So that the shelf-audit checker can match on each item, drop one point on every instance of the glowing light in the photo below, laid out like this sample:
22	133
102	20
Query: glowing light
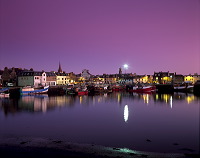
81	99
146	98
190	99
126	113
171	102
125	66
119	97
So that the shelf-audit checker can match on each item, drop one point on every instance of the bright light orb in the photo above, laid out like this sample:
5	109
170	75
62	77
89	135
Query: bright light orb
125	66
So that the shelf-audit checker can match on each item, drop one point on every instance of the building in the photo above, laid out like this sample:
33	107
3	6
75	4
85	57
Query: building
142	79
32	78
61	78
163	77
51	78
178	78
85	74
191	78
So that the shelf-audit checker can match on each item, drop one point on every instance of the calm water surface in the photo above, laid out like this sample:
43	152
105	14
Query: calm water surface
149	122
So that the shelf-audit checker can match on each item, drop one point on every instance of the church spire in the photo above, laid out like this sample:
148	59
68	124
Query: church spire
60	69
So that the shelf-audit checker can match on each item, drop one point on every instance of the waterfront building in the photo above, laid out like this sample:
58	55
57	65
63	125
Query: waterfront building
191	78
124	78
163	77
85	74
71	78
142	79
178	78
51	78
61	78
98	79
110	78
32	78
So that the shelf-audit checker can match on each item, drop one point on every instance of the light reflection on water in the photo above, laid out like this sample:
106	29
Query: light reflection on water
170	122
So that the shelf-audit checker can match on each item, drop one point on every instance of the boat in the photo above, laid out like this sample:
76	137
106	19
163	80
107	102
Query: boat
3	90
30	90
183	88
4	93
82	92
141	89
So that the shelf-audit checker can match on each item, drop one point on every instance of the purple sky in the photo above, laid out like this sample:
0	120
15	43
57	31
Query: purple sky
101	35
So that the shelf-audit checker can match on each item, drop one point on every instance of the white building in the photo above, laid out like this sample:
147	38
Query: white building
85	74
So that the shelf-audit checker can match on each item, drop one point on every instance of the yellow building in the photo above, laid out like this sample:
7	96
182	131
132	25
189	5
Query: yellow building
191	78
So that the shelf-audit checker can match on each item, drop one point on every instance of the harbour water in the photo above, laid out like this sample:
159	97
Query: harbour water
145	122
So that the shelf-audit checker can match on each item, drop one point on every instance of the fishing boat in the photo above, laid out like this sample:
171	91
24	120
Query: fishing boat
30	90
82	91
141	89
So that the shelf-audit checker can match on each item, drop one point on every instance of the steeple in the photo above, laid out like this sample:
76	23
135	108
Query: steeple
60	69
120	71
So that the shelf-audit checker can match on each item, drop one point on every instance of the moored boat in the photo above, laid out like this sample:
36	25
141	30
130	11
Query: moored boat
30	90
4	92
183	88
83	93
141	89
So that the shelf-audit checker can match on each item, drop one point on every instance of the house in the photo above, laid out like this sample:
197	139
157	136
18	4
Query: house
178	78
85	74
61	78
51	78
98	79
163	77
124	78
192	78
110	78
142	79
32	78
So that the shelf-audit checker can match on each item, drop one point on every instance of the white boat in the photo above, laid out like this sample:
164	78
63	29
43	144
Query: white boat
29	90
183	88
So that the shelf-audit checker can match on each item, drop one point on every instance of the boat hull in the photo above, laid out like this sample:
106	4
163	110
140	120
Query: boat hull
83	93
184	89
142	89
35	91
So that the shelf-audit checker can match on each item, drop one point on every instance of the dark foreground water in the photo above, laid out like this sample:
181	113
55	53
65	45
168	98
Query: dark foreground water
146	122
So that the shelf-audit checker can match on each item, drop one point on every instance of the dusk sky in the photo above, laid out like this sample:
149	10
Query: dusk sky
101	35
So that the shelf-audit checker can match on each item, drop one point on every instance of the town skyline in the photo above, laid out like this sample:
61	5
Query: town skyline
101	36
123	71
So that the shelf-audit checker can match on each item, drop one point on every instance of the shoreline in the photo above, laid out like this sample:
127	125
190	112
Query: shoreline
44	147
